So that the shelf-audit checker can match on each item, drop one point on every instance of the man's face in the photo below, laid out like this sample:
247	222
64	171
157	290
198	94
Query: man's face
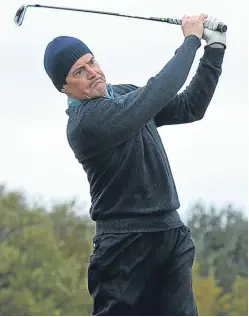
85	79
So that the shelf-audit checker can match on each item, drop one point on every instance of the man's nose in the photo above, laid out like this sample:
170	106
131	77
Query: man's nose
91	73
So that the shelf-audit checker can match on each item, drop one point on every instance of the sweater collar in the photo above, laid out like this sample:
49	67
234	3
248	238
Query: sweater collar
109	95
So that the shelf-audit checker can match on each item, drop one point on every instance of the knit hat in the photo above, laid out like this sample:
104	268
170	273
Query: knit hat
59	57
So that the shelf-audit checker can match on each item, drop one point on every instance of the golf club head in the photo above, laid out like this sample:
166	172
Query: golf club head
20	14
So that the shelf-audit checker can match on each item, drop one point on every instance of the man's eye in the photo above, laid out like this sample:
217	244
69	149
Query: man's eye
79	72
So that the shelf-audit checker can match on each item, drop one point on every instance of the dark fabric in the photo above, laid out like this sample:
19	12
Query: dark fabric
118	144
151	223
138	274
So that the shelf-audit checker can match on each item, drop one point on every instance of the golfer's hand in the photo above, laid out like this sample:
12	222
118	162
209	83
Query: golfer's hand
210	36
193	25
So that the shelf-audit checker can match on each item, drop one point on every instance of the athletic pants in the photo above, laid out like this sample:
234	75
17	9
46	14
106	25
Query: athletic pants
142	274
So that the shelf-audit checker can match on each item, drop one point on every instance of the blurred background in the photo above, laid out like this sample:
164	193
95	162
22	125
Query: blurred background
45	231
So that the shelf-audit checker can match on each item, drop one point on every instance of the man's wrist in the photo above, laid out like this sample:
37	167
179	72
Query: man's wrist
213	56
193	41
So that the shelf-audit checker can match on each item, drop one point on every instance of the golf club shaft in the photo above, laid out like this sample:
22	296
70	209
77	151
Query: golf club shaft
221	27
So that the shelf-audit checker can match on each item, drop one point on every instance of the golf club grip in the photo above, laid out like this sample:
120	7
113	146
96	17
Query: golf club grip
221	26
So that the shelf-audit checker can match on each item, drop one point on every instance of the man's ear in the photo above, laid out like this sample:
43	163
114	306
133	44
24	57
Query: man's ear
64	89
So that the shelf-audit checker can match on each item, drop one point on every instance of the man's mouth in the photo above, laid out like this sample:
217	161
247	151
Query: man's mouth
99	80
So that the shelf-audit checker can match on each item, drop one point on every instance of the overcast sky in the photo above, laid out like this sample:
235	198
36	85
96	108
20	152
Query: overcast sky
209	159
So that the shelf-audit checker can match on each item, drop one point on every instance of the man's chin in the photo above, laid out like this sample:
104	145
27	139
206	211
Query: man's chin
101	88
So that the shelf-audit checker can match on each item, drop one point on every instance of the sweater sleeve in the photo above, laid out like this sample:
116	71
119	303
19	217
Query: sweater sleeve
108	123
191	104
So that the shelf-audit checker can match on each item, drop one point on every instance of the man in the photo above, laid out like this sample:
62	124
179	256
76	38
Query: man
143	253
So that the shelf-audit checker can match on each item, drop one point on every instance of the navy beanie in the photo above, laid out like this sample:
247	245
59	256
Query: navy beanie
59	57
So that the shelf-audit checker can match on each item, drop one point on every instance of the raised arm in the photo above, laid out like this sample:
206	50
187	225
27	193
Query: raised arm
191	104
109	122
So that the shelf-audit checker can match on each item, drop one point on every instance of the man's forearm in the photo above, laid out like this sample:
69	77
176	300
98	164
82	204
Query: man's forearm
191	104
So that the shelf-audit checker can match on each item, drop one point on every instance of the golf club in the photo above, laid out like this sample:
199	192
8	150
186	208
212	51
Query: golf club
20	14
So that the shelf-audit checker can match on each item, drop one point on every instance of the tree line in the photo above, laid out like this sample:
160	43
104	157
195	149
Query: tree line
45	254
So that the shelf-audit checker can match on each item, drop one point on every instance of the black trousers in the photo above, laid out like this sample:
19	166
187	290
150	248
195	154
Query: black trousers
147	274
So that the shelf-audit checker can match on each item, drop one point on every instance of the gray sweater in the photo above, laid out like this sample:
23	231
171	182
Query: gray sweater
117	142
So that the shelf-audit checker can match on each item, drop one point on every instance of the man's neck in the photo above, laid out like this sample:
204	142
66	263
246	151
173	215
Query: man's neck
109	94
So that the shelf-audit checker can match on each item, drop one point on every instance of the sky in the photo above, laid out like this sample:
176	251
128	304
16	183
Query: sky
209	158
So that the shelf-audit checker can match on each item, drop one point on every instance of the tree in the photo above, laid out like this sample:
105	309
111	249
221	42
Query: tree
221	238
38	274
239	297
208	295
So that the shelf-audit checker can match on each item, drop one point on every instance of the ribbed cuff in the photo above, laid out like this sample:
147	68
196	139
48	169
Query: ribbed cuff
213	55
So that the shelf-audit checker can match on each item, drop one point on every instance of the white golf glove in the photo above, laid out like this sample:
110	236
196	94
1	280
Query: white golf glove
211	36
